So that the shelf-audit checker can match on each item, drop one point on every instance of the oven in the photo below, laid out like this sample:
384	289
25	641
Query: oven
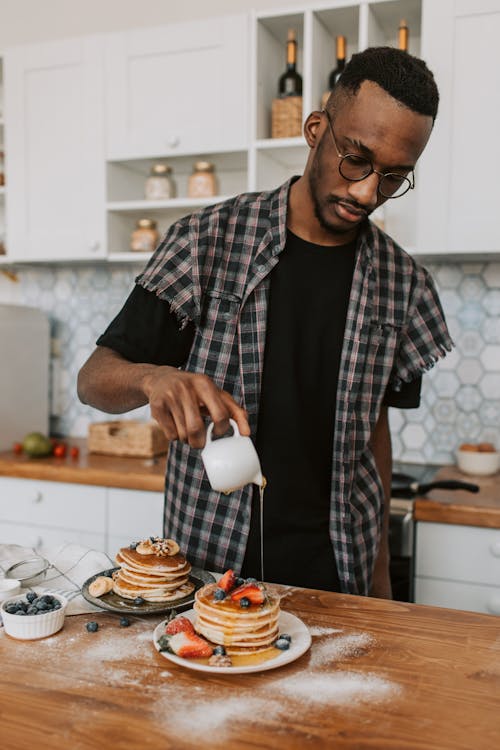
408	482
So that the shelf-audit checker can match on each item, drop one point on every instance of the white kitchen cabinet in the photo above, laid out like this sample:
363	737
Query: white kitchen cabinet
51	513
133	515
457	566
459	189
178	89
54	133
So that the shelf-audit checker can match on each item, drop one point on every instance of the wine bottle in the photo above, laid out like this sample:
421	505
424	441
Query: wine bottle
290	83
403	36
340	46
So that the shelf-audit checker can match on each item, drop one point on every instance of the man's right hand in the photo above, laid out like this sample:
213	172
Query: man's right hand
178	401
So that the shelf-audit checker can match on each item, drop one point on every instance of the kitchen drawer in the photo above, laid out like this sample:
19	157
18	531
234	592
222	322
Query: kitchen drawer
42	538
469	596
55	504
459	553
133	515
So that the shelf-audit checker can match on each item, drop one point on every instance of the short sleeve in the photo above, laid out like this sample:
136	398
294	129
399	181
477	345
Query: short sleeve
145	330
425	337
406	398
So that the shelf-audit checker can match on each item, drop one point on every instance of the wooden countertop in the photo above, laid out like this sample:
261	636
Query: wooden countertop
461	507
89	468
379	674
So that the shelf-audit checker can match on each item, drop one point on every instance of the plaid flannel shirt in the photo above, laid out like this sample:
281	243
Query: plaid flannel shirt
213	268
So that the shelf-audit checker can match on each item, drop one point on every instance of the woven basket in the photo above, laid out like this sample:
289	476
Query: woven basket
286	117
127	438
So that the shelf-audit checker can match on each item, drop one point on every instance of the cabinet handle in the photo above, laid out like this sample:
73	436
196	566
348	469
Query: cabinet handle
38	497
173	141
94	247
495	549
493	605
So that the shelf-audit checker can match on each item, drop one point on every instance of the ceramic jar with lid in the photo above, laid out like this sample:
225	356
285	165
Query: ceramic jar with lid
202	182
160	185
145	236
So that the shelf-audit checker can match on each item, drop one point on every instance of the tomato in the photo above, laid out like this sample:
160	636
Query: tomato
17	448
59	450
74	451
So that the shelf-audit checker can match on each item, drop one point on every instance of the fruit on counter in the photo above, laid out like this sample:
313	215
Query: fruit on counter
59	450
36	445
74	452
17	448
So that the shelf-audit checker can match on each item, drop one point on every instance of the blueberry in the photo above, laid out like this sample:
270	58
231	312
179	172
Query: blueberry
219	651
133	545
138	600
286	637
219	595
92	627
250	580
164	643
11	609
124	622
31	596
21	606
42	606
282	644
57	605
244	602
47	598
239	581
32	610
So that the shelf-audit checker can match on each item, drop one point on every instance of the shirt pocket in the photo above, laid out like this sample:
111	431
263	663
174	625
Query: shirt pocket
219	309
382	343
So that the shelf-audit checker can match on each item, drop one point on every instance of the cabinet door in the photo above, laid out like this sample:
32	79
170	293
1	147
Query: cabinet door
55	150
459	189
133	515
178	89
467	596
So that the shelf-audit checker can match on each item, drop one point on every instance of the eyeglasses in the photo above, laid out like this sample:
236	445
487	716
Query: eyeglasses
356	168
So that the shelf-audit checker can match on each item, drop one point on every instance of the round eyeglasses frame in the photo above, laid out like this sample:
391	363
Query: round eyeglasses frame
406	183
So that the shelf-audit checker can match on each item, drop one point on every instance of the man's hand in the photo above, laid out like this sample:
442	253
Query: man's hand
179	400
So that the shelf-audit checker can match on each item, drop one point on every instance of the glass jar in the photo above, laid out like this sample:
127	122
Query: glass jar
145	236
159	185
202	182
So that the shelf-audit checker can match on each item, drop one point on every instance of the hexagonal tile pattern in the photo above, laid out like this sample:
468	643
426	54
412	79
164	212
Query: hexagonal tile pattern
460	397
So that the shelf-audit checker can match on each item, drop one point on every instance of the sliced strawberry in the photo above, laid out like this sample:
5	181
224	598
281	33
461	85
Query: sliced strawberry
227	581
250	591
179	625
190	646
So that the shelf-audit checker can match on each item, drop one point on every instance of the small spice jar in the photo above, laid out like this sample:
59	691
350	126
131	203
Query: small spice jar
145	236
202	182
159	185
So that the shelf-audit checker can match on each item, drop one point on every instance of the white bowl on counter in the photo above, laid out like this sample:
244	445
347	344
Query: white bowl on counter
477	463
31	627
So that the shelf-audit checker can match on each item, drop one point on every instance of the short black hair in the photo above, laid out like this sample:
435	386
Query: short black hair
403	76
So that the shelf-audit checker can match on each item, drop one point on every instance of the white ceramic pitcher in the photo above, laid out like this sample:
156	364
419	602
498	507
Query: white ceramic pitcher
231	462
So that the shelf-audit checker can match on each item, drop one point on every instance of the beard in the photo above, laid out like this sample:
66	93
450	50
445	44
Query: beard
321	205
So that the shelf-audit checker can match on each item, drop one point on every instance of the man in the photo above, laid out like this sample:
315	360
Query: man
290	312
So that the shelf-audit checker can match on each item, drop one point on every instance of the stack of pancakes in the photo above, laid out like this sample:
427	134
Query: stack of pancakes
240	630
154	570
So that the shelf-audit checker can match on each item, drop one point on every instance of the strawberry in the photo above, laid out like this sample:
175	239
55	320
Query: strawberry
179	625
190	646
227	581
250	591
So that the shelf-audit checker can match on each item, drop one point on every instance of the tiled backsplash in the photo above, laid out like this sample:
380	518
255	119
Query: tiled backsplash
460	396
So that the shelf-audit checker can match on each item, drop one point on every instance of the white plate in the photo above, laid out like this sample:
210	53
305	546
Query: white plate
288	623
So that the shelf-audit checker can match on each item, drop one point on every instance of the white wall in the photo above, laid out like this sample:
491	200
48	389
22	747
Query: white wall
24	21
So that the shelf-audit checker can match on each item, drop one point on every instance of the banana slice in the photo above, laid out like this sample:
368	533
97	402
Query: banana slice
100	586
145	548
171	547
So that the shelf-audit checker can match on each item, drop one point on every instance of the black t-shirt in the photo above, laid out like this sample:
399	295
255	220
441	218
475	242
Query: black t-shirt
309	294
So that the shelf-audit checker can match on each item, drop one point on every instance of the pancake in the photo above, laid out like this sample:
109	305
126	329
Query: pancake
241	630
154	570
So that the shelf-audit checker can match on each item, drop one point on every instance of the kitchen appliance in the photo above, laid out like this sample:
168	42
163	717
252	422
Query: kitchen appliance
24	373
408	482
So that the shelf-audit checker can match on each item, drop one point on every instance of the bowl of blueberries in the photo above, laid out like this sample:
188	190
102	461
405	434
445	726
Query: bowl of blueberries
30	616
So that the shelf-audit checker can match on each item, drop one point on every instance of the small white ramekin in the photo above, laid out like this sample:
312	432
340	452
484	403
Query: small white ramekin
31	627
9	587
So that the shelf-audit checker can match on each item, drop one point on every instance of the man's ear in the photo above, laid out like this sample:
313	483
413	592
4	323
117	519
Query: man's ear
312	126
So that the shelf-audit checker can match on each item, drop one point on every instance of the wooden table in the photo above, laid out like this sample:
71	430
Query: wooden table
379	674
